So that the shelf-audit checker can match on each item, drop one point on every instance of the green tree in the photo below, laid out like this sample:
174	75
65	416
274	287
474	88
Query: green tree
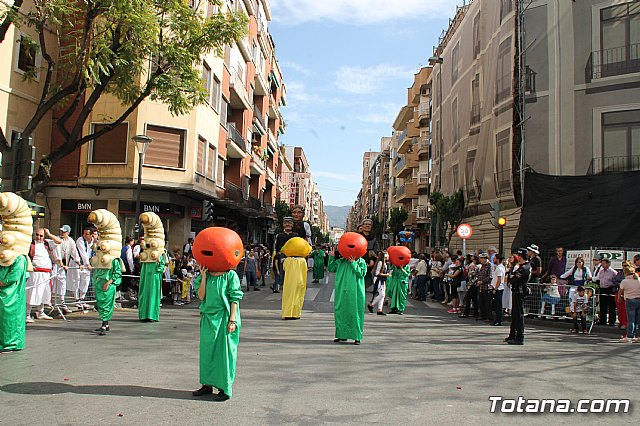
282	210
9	12
450	208
397	218
317	236
132	50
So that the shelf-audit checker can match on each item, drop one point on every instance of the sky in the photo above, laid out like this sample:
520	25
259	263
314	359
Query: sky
347	65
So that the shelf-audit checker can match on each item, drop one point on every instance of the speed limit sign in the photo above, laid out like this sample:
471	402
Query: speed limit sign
464	231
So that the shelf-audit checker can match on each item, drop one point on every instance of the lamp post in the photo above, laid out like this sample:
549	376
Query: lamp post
432	61
142	143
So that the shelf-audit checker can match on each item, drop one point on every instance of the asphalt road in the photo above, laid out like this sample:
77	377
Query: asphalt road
425	367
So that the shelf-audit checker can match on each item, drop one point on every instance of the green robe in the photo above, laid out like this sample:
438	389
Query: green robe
105	300
318	264
219	348
398	287
13	304
349	297
150	292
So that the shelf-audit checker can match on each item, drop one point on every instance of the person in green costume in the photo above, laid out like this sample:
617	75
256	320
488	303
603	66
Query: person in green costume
150	292
397	288
13	307
349	297
219	331
105	282
318	264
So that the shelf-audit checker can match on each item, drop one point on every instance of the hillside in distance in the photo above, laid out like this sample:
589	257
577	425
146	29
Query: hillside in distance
337	215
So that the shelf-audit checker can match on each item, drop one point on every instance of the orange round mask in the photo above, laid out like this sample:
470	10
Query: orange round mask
399	255
218	249
352	245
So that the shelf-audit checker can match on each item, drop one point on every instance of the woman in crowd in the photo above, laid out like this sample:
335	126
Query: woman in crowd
630	291
577	276
379	283
455	276
436	276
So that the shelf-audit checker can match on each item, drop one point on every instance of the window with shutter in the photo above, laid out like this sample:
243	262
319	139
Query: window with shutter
220	180
201	161
212	159
167	148
111	147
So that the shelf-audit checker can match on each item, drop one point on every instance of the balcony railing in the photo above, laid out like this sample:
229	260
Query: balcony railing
255	158
402	161
475	113
400	190
423	179
236	137
503	182
614	164
473	191
257	113
614	61
402	136
422	213
423	109
233	193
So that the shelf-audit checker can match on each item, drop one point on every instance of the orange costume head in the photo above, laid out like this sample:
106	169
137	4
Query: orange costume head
352	245
399	255
218	249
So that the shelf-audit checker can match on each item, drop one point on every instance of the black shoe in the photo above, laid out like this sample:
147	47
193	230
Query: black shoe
204	390
102	331
515	342
382	313
220	397
356	342
370	308
276	291
496	323
256	289
339	340
263	285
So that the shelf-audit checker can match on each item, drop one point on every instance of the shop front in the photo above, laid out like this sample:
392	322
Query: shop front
172	216
75	213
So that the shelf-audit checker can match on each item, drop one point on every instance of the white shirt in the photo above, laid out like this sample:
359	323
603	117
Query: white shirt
67	252
41	258
129	254
421	268
84	250
136	250
500	271
579	301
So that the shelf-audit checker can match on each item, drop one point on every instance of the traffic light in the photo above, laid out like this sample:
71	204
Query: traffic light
495	214
502	221
208	213
19	165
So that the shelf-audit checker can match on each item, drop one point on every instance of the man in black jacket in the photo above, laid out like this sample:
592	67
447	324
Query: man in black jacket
518	278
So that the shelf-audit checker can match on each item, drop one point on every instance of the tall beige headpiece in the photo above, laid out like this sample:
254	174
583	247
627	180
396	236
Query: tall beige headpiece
109	242
17	229
153	237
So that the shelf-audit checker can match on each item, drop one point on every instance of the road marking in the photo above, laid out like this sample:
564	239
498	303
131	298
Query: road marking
332	294
311	293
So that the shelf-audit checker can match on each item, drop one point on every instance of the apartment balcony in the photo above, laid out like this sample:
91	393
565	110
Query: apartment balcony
423	148
405	168
271	176
258	165
237	146
603	165
423	181
245	49
262	88
239	96
611	62
404	142
423	112
271	139
412	220
235	194
422	214
274	109
258	119
406	192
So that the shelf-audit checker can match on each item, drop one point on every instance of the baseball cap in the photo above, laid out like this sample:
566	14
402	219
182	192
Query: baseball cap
483	255
65	228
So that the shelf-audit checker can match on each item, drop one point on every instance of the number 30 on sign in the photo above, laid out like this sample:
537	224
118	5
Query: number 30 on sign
464	231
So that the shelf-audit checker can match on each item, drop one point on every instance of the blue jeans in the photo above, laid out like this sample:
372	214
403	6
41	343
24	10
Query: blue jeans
633	318
252	279
437	289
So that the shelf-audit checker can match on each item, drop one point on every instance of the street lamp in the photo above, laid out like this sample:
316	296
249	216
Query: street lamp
142	143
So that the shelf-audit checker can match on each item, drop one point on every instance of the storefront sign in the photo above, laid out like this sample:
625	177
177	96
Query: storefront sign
196	212
615	256
572	255
161	209
82	206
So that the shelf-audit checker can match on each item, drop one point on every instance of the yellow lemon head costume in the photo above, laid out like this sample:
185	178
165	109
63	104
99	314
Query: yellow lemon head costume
296	247
153	237
17	229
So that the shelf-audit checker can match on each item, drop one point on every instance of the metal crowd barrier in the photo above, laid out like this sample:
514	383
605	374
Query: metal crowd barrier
542	304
